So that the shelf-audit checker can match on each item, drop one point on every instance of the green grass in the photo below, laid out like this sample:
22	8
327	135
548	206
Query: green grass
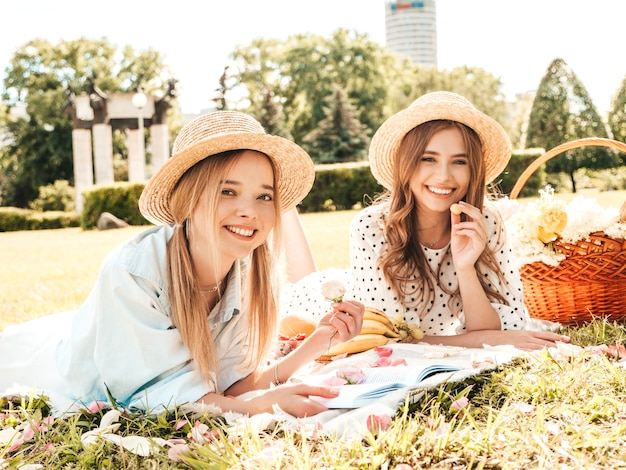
49	271
551	411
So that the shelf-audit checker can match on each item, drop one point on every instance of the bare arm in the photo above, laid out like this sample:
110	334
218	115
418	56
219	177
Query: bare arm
299	258
522	339
468	241
292	398
342	324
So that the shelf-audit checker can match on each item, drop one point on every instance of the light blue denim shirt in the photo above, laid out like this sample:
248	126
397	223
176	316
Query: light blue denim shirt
123	338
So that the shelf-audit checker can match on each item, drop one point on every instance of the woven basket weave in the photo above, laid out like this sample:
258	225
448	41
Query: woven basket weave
591	281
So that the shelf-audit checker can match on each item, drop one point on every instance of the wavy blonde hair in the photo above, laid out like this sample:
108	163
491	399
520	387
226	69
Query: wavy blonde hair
403	263
260	295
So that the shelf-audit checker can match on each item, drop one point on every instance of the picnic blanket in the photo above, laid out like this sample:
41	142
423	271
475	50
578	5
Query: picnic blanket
351	423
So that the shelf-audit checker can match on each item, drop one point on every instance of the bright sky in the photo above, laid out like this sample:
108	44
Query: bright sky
514	40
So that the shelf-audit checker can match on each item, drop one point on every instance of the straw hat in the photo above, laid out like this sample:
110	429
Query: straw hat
218	132
430	107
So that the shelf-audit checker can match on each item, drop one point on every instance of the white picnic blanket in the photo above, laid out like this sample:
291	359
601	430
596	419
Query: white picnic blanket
352	423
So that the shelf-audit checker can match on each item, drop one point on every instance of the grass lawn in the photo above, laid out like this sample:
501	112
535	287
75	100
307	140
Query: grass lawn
555	409
50	271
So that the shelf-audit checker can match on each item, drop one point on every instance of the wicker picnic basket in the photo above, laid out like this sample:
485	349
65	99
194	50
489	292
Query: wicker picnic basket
591	281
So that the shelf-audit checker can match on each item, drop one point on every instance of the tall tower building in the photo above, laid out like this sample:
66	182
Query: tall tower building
411	30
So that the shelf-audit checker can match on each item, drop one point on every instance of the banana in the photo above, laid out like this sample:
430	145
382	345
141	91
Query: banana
376	327
379	316
359	343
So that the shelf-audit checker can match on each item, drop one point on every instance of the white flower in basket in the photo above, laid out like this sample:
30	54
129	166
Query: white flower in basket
536	225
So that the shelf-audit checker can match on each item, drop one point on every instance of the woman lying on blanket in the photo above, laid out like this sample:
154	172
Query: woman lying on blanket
431	251
187	311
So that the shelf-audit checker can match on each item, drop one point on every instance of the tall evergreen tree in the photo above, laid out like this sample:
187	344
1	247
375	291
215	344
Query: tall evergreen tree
340	136
563	111
271	116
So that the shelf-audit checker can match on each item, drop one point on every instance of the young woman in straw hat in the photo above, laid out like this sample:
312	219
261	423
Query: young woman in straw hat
187	311
450	272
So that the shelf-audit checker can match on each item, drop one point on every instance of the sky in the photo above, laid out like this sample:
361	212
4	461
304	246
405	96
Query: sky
515	40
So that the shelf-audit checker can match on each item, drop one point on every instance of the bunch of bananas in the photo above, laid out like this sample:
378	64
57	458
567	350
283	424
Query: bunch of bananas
377	330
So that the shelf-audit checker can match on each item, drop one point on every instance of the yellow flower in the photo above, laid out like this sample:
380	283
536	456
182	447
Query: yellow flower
551	221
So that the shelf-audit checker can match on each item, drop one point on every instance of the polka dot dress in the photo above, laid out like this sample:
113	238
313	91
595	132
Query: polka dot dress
441	314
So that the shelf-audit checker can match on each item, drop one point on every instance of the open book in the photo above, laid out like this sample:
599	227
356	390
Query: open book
379	381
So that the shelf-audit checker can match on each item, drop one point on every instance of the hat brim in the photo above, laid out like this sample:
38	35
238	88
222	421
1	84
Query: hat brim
386	141
295	172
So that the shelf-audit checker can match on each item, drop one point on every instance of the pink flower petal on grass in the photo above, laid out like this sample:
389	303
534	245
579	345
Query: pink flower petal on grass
177	451
377	423
460	403
96	406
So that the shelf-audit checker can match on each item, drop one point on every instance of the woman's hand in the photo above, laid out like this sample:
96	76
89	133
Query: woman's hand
293	398
343	323
469	238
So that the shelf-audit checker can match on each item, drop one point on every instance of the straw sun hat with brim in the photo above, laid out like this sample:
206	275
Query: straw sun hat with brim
218	132
440	105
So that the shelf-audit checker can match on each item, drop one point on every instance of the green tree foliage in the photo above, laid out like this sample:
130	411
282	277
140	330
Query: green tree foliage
617	115
303	69
271	116
39	78
563	111
339	137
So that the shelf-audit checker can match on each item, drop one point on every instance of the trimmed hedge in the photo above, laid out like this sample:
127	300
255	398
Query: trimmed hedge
340	186
120	199
13	219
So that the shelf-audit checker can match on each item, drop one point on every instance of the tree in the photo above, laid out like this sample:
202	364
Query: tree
563	111
38	78
271	116
302	70
339	137
617	115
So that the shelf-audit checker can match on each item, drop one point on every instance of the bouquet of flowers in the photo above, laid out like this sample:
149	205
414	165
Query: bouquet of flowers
537	230
570	256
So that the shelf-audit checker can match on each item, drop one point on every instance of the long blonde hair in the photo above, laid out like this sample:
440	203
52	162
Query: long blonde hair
260	297
403	263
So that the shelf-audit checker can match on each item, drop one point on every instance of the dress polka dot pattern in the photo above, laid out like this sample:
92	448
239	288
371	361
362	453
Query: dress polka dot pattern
441	316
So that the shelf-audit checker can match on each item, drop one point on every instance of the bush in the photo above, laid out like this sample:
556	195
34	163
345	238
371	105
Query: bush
340	186
13	219
520	160
120	199
55	197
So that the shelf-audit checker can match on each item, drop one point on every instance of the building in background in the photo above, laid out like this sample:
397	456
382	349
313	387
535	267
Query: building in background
411	30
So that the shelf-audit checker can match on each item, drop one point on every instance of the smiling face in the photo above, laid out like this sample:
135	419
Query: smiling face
246	208
442	174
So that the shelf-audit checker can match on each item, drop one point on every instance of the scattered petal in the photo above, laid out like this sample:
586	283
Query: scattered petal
378	423
383	351
460	403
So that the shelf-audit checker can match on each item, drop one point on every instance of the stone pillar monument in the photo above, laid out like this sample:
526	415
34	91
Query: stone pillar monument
159	133
102	136
80	113
95	116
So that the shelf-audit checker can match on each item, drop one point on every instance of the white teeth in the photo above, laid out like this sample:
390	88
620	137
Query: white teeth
440	190
240	231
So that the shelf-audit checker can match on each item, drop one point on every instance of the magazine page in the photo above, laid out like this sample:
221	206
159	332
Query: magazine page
377	382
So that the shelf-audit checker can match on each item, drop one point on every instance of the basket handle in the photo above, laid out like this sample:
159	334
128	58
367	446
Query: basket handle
587	142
